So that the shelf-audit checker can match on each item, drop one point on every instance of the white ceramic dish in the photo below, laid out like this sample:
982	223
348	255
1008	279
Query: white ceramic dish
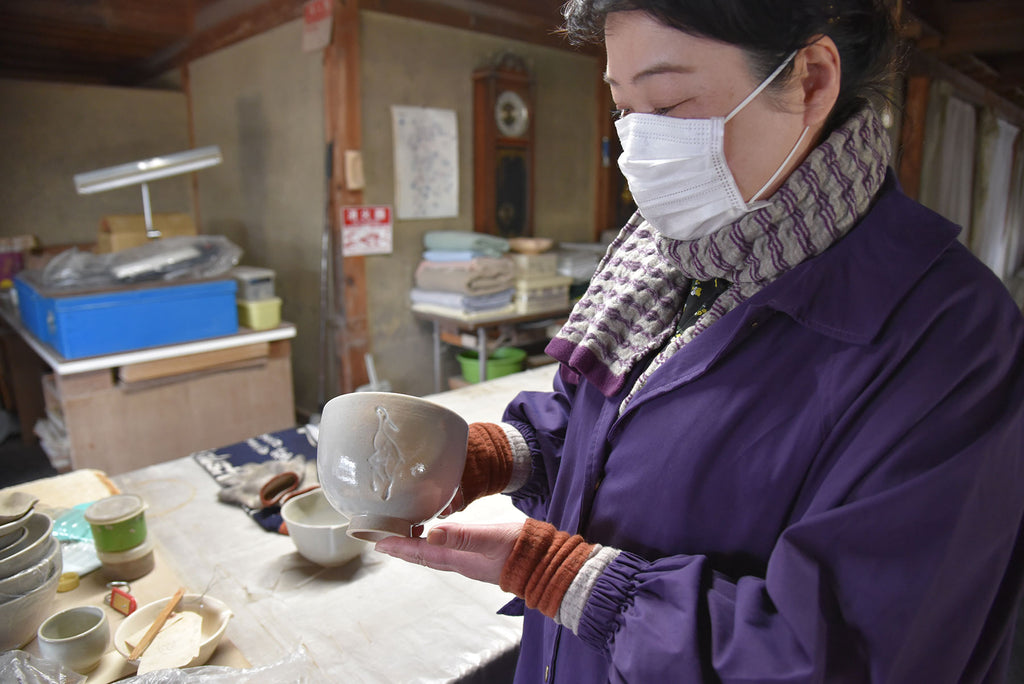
22	616
389	461
76	638
30	549
214	612
34	575
319	532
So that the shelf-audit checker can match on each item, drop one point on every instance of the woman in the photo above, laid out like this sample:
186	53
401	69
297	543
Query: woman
785	438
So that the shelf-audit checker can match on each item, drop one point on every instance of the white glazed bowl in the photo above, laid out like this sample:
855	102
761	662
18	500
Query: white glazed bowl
31	549
20	617
389	461
319	532
34	575
214	612
76	638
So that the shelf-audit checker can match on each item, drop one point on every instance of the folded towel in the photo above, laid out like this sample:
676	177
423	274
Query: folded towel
477	277
452	254
491	245
461	302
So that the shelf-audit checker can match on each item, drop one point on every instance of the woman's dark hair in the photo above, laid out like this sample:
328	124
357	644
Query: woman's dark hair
864	31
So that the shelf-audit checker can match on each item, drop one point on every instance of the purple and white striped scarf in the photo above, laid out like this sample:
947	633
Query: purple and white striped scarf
639	287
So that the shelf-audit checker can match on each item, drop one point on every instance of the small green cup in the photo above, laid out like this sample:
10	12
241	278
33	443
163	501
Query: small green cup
118	522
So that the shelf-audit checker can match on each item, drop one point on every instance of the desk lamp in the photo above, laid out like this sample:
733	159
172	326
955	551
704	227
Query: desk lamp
141	172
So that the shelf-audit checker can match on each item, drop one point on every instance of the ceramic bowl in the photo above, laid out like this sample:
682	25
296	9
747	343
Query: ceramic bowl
16	524
319	532
34	575
214	612
20	617
389	461
76	638
11	538
30	549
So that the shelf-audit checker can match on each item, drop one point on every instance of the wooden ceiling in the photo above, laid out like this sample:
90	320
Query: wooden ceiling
128	42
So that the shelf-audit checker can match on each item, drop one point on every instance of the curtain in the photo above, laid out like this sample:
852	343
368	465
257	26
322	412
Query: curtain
990	234
1014	274
947	174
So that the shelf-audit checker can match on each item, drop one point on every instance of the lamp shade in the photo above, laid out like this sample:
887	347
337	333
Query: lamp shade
146	170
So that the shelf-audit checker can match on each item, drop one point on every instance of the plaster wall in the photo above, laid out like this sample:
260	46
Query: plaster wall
412	63
51	131
261	101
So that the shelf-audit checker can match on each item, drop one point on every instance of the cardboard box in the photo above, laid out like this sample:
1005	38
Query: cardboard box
125	231
117	427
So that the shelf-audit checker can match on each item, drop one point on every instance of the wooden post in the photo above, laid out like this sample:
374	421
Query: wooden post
912	134
604	217
342	102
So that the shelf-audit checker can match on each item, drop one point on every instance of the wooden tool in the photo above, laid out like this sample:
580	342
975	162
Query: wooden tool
165	613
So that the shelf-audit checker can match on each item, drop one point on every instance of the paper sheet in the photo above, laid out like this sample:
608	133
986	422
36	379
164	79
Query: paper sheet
426	162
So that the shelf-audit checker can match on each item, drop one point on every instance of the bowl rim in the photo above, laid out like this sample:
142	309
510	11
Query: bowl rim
286	507
29	548
46	559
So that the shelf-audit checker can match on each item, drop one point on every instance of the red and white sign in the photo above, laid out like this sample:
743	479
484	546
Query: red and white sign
317	24
366	230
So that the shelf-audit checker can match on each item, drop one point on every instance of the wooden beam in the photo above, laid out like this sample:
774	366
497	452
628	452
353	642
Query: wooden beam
262	18
342	118
531	22
911	153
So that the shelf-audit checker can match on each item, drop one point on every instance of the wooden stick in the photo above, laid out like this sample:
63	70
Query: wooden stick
165	613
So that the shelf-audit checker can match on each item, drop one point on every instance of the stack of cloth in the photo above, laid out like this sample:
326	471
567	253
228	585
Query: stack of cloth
464	274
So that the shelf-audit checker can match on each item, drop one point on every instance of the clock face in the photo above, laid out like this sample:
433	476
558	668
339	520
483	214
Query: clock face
511	114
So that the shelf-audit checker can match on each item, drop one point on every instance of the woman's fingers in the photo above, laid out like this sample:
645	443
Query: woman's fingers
476	551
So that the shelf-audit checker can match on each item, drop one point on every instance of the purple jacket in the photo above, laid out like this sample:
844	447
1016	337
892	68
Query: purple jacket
825	486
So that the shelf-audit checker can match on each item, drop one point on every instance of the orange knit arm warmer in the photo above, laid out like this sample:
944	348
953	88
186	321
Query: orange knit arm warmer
542	565
488	461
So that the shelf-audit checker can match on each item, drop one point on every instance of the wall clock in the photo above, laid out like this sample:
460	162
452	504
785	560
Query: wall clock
503	148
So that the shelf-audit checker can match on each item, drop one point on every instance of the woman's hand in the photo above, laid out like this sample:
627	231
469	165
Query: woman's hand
475	551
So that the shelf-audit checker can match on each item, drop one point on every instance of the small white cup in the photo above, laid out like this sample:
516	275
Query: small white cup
76	638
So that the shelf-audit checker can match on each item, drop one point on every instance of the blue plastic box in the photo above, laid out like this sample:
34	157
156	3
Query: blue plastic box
78	325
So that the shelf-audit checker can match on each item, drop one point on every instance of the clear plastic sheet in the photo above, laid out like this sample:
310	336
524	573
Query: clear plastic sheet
173	258
295	668
24	668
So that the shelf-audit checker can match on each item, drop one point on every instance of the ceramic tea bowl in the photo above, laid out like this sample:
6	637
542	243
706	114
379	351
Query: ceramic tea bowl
319	532
389	461
76	637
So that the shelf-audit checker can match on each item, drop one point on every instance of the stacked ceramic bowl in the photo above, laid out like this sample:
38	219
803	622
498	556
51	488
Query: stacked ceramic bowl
30	567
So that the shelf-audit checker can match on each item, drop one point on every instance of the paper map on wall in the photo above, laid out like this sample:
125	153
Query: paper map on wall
426	162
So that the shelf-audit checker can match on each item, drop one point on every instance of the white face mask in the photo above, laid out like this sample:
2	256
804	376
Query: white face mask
677	172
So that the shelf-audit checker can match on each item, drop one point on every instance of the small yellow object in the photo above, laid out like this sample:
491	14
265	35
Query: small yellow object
67	581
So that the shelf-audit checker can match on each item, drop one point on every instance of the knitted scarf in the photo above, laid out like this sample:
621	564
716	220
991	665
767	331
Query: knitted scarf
636	294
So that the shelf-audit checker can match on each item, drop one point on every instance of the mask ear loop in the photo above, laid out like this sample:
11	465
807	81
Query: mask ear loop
782	166
759	89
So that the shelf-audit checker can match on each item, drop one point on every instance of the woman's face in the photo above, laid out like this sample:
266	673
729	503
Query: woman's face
655	69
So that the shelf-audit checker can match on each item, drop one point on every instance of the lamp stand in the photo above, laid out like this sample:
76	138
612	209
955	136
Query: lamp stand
147	212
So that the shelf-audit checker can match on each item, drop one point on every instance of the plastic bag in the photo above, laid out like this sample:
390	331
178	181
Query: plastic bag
295	668
173	258
24	668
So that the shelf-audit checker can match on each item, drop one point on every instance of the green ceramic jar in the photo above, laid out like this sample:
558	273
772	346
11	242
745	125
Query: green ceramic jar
118	522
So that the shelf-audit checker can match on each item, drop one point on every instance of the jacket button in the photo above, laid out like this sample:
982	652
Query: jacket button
547	672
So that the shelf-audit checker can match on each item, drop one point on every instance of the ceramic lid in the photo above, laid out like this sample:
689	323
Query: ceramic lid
115	509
